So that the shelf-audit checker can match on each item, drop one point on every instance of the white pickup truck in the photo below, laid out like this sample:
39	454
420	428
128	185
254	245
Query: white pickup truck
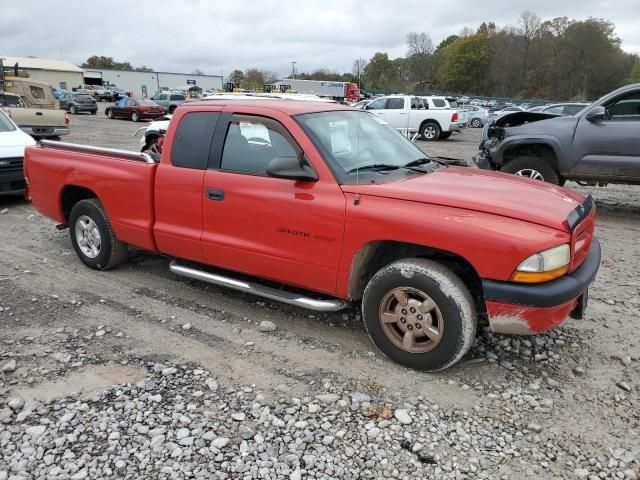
418	114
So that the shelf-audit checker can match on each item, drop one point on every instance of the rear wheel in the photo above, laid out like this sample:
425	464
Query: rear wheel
419	314
476	123
110	113
73	110
172	108
430	131
152	146
134	116
534	168
92	236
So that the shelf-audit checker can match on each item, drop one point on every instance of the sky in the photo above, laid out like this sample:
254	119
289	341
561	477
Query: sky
219	36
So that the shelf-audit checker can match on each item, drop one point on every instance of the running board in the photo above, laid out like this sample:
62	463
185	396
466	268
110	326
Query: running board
329	305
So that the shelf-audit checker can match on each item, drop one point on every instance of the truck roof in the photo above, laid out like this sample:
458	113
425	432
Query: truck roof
289	107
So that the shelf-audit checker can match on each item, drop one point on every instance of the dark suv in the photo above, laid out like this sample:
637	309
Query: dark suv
599	145
78	102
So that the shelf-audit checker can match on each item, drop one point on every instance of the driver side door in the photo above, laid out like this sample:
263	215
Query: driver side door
276	228
609	148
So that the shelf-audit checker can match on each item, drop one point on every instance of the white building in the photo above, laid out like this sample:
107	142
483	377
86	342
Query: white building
140	83
57	73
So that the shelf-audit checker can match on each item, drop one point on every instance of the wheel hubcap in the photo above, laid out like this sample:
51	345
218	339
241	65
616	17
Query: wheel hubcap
429	132
530	173
88	236
411	320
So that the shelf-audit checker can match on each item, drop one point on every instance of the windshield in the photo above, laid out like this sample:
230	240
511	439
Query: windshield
5	123
353	140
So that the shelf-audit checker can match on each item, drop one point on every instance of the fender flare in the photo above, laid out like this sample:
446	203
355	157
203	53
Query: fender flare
497	157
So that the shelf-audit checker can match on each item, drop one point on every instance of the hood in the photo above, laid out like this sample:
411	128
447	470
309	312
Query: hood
518	118
14	141
482	191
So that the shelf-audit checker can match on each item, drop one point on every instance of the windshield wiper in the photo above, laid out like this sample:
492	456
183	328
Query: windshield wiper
374	166
418	162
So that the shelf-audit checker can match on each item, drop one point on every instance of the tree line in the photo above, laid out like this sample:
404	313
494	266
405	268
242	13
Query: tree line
554	59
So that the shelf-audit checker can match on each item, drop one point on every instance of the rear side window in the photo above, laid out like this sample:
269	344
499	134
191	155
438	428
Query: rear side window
377	104
439	102
176	97
192	140
162	97
395	103
252	142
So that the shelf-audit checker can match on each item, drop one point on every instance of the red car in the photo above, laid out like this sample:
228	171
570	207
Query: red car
338	207
134	109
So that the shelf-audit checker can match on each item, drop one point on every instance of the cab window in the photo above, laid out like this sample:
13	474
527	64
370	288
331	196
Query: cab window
377	104
192	140
625	109
252	142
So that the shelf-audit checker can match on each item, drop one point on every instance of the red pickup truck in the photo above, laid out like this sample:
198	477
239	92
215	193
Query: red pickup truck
318	205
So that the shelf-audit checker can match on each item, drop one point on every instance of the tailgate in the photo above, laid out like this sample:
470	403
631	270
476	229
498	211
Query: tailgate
38	117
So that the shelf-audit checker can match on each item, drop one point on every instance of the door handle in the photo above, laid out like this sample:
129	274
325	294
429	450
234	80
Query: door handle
39	113
215	194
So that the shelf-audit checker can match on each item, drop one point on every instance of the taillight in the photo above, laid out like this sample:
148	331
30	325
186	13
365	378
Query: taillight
66	119
454	117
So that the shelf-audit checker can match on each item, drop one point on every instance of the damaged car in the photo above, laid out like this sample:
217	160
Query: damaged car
597	146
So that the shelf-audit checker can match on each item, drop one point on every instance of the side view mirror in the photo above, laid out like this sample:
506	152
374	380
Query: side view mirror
293	168
597	114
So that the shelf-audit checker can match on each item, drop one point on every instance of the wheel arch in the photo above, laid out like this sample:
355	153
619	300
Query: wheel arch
429	120
546	148
375	255
72	194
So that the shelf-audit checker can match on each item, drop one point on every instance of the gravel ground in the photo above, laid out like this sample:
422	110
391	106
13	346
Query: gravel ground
136	373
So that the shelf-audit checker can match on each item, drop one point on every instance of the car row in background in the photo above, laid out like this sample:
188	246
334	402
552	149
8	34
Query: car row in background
134	109
74	102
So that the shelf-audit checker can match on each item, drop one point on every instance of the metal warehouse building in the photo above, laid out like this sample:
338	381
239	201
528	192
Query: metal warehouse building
57	73
66	75
149	82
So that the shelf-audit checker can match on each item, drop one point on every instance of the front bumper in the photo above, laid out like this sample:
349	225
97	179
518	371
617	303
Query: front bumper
529	309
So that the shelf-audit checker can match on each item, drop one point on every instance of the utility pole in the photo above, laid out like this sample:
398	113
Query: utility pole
293	70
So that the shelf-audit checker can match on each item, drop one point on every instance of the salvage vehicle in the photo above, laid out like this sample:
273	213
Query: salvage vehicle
318	205
599	145
134	109
417	114
37	122
74	103
169	101
12	144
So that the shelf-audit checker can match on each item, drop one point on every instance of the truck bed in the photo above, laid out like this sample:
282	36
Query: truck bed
122	180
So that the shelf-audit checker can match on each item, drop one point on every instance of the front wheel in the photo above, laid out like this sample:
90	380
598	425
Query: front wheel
92	236
476	123
430	131
73	110
134	117
420	314
534	168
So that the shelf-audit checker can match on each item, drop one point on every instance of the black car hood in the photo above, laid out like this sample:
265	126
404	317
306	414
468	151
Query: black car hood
518	118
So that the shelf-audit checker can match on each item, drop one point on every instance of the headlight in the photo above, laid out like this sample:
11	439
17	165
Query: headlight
544	266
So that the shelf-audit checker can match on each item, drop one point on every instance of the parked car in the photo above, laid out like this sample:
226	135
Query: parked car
35	121
134	109
12	144
78	102
599	145
564	108
478	116
169	101
332	201
101	93
417	114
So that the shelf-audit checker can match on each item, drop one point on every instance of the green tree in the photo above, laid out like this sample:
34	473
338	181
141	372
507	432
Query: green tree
236	76
465	63
253	79
635	73
109	63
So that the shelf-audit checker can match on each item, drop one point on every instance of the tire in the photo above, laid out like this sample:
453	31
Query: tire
452	314
172	109
73	110
134	117
535	168
110	113
93	112
476	123
152	145
430	131
445	135
93	238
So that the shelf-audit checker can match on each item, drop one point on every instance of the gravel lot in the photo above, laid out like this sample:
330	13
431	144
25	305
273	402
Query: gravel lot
137	373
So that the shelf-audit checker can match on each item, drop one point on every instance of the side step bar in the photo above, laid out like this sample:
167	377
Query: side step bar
329	305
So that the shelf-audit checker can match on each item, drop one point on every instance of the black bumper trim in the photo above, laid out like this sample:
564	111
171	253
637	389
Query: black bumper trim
548	294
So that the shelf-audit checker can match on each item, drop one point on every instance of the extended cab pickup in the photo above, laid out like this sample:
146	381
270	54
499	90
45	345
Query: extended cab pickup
429	116
35	121
331	205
